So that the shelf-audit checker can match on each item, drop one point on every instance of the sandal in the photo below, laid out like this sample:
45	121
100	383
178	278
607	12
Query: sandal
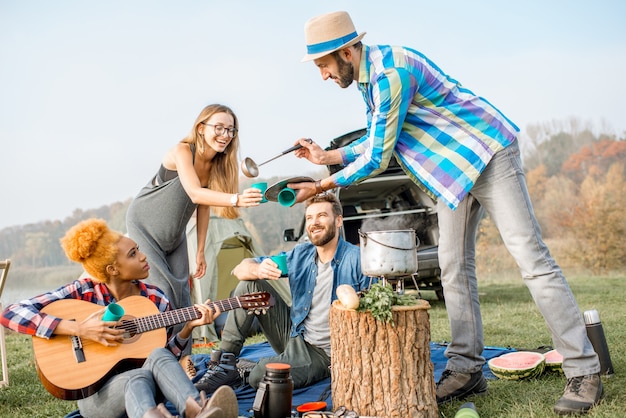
342	412
222	404
225	399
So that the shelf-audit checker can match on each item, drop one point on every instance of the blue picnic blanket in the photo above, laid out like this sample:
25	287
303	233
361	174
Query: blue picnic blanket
321	390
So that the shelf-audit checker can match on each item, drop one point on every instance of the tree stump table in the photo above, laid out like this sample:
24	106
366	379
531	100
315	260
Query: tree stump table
379	369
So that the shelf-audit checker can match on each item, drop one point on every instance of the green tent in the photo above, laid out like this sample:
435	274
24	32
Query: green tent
228	242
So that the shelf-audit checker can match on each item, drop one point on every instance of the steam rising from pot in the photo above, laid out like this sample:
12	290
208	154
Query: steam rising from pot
420	222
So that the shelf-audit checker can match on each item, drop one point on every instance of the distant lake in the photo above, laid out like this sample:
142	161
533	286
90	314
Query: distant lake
12	295
25	283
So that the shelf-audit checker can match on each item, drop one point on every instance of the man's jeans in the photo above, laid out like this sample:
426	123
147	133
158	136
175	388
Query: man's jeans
309	364
501	191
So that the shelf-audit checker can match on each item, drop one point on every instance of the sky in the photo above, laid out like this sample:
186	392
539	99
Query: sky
93	93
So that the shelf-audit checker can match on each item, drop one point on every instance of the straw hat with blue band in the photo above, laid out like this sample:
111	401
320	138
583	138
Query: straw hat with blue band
328	33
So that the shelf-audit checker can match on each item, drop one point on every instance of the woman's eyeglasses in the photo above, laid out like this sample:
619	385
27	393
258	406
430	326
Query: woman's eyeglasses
221	130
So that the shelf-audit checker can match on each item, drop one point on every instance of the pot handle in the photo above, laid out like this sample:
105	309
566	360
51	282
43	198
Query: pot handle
365	238
363	235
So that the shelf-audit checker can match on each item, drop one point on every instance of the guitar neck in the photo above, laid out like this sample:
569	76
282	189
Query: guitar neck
176	316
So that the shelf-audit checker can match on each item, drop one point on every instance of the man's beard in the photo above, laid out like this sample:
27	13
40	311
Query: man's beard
325	238
346	73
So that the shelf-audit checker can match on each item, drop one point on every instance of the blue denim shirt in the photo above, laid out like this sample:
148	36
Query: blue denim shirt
302	265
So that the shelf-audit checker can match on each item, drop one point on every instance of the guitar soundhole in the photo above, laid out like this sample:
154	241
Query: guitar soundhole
130	327
130	338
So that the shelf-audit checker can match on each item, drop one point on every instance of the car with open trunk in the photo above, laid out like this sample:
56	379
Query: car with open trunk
388	201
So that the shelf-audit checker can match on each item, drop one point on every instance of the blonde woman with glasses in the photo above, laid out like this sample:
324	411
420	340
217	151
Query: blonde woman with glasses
197	174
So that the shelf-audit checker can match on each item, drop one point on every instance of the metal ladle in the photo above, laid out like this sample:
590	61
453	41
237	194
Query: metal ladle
251	169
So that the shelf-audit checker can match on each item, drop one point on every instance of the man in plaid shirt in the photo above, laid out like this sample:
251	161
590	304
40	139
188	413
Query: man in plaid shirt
463	152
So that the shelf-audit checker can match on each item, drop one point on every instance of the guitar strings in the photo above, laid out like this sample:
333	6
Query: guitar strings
177	316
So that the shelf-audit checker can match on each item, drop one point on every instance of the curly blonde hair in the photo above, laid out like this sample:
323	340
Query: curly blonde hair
92	244
224	172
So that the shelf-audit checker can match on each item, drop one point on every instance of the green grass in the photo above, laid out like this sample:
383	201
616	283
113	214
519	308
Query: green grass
510	318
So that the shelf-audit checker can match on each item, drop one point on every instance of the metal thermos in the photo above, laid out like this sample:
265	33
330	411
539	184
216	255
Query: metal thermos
595	332
467	410
273	397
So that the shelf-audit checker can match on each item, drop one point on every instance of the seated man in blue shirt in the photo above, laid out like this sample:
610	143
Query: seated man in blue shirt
299	333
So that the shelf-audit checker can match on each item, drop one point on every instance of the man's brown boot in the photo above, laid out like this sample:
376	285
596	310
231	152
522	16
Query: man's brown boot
581	394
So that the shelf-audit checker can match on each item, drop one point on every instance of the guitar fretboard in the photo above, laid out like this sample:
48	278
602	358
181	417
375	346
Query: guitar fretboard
177	316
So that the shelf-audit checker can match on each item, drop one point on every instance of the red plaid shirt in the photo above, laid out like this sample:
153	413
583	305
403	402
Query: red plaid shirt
26	317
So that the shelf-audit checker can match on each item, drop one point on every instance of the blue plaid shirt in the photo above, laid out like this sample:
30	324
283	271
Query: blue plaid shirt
441	133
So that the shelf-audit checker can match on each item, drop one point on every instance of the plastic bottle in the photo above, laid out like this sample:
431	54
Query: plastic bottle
467	410
595	332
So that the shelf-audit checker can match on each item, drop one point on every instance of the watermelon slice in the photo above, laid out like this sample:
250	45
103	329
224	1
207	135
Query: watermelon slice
518	365
554	361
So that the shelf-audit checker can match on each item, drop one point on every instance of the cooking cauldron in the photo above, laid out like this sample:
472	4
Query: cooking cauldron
388	253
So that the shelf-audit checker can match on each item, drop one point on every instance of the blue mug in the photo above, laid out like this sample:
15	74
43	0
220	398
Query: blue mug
281	260
262	187
113	312
287	197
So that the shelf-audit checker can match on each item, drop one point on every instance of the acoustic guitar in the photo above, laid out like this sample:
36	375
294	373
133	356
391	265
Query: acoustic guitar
71	368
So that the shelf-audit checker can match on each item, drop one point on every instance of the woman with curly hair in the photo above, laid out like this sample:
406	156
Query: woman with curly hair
198	173
117	269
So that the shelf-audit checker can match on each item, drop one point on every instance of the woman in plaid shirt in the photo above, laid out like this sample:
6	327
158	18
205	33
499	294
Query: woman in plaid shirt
117	269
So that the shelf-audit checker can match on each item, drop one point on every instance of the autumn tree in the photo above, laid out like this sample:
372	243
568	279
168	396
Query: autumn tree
36	248
550	143
598	156
536	180
597	223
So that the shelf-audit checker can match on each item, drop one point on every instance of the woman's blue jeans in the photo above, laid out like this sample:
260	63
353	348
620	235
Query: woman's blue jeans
501	191
135	391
